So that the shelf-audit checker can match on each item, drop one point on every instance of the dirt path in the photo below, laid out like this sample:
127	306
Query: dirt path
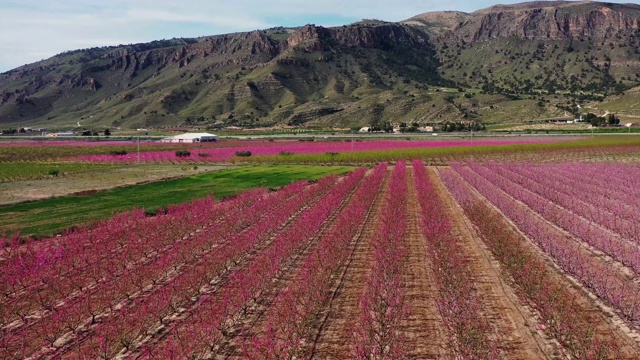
512	320
334	338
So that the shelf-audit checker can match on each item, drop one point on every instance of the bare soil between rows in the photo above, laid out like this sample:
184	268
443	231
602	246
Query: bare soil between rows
334	337
513	321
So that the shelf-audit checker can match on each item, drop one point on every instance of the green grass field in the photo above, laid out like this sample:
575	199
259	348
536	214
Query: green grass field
50	216
30	170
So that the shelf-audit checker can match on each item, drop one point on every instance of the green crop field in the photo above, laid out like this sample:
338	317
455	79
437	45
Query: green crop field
30	170
46	217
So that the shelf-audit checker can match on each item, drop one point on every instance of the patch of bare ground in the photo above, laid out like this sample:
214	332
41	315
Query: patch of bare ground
333	340
513	321
606	322
253	321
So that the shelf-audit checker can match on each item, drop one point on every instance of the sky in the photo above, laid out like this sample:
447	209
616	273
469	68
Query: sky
32	30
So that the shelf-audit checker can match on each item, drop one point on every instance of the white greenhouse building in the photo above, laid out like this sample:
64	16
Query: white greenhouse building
191	138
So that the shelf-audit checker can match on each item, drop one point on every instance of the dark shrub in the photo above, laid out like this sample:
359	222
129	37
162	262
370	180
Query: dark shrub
183	153
243	153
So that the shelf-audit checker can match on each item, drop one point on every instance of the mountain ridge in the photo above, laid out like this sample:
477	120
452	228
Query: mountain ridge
550	56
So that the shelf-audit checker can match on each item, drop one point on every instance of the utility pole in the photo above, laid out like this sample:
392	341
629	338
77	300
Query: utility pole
138	149
352	140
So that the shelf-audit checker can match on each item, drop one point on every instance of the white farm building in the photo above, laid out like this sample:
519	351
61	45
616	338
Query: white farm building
191	138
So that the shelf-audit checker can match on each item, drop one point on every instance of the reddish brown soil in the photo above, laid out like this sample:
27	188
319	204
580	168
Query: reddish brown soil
423	328
511	319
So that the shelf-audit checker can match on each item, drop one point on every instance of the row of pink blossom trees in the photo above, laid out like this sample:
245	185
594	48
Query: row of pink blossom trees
224	153
143	315
457	300
56	269
79	289
207	322
595	272
611	203
376	330
293	317
588	220
561	313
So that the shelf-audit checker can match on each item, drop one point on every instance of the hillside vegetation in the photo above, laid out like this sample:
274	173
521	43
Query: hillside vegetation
514	63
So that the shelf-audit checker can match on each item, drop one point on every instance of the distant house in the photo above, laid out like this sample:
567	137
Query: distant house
61	134
191	138
425	129
364	129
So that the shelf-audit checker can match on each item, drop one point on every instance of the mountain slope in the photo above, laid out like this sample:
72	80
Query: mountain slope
280	75
555	46
538	60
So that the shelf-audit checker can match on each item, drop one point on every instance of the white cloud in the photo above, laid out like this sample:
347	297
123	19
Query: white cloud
230	22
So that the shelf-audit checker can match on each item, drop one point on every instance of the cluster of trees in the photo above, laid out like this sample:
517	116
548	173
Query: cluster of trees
404	127
607	120
377	126
462	126
381	126
106	132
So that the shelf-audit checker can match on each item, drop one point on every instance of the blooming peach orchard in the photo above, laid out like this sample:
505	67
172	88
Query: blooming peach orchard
472	260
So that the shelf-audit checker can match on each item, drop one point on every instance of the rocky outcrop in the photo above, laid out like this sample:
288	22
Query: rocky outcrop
316	38
382	37
310	115
439	22
83	80
540	21
310	38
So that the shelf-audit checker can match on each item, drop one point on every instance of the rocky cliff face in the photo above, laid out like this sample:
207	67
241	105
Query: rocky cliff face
543	22
540	46
316	38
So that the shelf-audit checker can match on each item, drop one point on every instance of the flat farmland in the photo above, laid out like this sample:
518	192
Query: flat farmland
89	201
523	254
34	181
